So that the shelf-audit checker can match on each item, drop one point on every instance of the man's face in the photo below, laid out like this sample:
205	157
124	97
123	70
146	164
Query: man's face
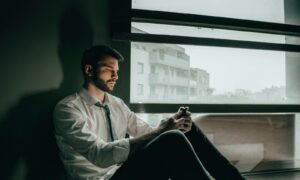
106	75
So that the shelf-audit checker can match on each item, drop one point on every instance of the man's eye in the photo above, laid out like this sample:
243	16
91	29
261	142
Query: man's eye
110	70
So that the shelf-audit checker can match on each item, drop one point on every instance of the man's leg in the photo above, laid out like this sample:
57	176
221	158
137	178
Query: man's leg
213	161
170	155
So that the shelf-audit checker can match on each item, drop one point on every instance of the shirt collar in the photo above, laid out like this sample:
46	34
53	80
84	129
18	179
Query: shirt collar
91	100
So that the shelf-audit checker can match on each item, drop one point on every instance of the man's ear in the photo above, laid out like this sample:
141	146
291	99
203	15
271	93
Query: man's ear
88	69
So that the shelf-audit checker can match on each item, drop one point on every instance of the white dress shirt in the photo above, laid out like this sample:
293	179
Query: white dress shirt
82	135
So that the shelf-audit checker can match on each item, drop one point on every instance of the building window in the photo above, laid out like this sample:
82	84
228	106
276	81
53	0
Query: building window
153	69
140	68
140	89
161	54
152	91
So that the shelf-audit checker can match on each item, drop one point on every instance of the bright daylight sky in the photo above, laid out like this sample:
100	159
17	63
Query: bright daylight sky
229	68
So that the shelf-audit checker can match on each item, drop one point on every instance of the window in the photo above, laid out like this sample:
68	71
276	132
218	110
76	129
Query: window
140	89
216	56
235	57
224	75
140	68
260	10
162	54
252	142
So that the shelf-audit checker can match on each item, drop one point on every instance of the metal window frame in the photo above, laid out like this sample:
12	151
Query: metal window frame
122	37
172	18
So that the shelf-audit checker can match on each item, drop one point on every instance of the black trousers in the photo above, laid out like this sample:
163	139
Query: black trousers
177	156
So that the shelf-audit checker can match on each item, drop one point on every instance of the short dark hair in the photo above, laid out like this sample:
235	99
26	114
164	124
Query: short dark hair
98	53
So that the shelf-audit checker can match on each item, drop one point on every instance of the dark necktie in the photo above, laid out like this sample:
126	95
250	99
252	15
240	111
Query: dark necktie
107	113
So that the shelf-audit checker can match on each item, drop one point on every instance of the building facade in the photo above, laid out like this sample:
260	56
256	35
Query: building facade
162	72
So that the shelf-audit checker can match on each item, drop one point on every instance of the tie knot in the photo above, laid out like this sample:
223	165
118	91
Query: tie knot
105	107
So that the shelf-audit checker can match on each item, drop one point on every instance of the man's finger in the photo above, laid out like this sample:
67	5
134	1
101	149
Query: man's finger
188	118
188	113
177	114
187	124
181	120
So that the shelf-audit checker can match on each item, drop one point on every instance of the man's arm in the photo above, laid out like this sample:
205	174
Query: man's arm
175	122
72	133
138	142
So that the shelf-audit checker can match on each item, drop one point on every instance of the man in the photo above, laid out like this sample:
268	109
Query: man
90	127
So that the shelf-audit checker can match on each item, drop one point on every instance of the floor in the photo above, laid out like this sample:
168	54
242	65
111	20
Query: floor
292	175
277	170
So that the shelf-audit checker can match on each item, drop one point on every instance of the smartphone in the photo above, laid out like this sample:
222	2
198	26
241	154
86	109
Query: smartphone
184	110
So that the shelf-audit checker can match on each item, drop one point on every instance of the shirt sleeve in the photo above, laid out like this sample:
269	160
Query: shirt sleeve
135	125
71	127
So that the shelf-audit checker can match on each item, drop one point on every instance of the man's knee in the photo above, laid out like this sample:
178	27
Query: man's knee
173	137
169	141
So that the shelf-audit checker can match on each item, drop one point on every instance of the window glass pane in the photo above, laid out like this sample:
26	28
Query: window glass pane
151	28
199	74
260	10
252	142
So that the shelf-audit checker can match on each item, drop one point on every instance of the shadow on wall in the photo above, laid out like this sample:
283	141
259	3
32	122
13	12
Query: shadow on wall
28	146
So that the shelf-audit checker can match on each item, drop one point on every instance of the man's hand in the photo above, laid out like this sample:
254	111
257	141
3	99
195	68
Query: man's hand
184	119
185	124
180	120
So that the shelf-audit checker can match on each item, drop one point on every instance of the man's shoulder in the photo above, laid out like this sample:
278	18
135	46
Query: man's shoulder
66	107
69	100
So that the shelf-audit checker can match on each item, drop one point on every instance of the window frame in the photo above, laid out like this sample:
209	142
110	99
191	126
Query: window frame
121	37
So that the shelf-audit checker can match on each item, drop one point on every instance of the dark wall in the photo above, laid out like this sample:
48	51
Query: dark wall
41	46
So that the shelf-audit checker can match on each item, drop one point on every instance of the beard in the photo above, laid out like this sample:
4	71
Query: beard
101	84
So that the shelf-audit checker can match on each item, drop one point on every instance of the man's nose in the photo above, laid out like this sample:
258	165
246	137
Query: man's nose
115	76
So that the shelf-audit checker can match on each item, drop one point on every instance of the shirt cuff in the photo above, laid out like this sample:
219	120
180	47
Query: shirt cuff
121	150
